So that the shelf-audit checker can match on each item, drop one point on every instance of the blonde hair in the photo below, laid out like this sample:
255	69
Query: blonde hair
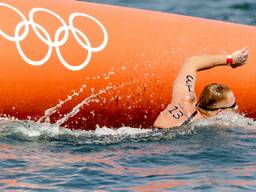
211	95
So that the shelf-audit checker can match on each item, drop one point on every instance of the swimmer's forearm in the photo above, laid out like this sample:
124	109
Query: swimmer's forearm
206	61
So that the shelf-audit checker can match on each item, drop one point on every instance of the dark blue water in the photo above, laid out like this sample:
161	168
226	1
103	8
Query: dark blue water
218	154
238	11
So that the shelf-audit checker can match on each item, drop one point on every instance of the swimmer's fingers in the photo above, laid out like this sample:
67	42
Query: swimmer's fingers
245	53
244	49
240	57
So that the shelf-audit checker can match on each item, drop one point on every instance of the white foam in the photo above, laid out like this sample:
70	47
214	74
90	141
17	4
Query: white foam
121	131
229	120
33	129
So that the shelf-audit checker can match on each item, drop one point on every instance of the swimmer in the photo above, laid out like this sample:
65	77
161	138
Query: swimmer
214	99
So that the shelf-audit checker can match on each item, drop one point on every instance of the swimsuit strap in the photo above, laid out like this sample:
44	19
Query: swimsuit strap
189	119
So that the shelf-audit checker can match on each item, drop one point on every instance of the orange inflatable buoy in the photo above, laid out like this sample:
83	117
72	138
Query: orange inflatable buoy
81	64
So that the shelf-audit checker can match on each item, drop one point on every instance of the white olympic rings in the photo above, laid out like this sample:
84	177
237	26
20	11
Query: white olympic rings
56	43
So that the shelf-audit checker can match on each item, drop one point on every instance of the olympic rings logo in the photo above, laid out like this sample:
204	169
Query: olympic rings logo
79	36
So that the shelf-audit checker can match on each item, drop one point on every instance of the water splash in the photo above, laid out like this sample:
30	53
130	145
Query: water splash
77	108
88	100
54	109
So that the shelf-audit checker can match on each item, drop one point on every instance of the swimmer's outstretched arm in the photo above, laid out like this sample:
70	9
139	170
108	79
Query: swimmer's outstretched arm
184	84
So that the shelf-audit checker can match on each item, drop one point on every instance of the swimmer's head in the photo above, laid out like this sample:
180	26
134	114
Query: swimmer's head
215	98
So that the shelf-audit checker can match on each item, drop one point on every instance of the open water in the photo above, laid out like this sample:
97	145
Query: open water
217	154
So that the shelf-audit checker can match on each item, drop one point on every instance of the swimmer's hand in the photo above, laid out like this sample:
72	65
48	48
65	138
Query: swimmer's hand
240	57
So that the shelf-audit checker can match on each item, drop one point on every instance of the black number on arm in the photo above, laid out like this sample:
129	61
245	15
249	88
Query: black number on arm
176	114
189	80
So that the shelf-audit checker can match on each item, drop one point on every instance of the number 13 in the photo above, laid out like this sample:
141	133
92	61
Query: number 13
176	114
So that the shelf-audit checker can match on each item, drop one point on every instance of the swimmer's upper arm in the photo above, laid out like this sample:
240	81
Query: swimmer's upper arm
184	84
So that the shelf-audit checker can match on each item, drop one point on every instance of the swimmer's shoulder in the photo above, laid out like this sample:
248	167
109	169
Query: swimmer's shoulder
175	114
